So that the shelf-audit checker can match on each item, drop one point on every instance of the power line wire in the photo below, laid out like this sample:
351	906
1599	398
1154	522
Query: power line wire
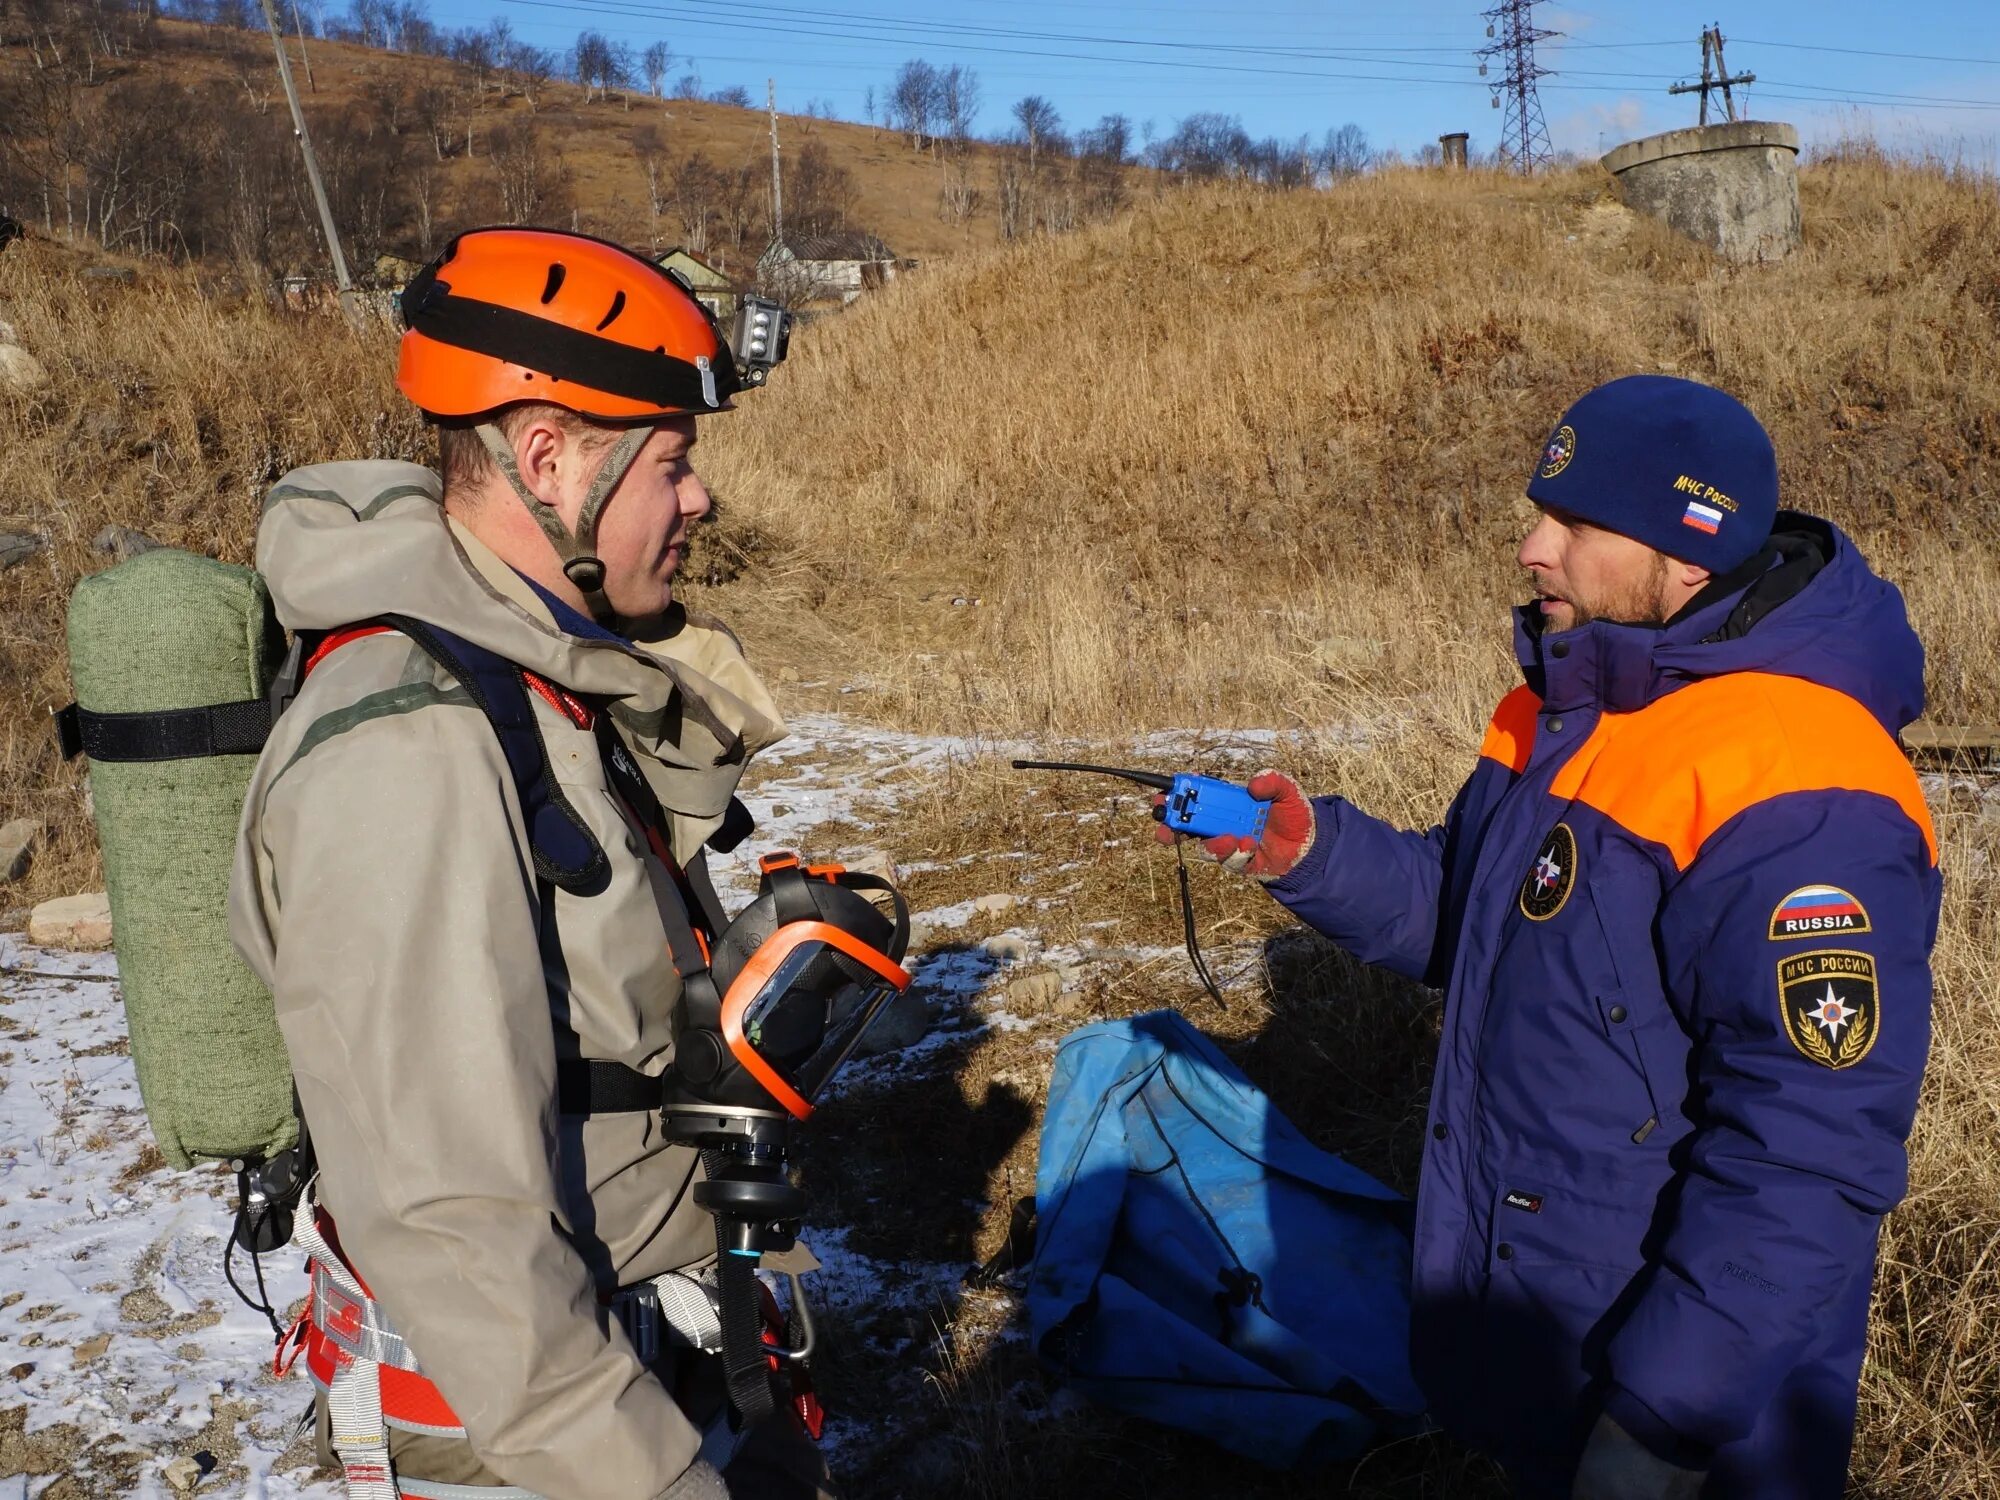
825	26
1982	62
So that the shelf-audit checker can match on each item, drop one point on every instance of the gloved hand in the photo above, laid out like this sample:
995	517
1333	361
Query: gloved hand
1288	831
1617	1466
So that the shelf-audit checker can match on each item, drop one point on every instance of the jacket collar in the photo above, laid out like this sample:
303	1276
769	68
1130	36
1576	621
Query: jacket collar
1622	668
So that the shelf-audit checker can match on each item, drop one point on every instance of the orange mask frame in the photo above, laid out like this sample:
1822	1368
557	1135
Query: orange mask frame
750	985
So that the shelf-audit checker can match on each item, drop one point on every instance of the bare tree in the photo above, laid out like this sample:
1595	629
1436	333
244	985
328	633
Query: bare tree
655	60
1041	126
697	193
533	182
958	101
913	102
1102	154
591	63
533	69
1344	152
819	193
434	111
652	154
745	193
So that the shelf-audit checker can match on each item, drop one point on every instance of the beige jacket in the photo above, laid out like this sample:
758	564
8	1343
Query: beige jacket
425	987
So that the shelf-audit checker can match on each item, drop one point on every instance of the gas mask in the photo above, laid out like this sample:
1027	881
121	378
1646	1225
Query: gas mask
792	986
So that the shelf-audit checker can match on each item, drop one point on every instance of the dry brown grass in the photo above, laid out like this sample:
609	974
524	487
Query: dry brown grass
896	188
1243	459
1235	460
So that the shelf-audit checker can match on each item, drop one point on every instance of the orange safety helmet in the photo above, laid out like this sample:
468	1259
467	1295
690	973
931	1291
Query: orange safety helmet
506	315
509	315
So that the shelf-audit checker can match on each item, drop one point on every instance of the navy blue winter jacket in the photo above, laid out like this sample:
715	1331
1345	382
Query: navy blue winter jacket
1682	913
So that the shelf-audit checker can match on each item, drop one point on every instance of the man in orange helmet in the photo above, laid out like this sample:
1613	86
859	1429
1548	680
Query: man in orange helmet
463	935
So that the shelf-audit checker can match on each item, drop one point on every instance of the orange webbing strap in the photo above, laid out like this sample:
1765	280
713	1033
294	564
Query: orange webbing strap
369	1375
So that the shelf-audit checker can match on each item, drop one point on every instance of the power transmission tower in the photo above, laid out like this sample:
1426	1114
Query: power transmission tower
777	182
1524	134
1717	80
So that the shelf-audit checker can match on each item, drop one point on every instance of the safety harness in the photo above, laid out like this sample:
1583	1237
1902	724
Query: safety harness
371	1379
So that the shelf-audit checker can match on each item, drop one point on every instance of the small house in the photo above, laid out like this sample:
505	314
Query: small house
836	267
712	289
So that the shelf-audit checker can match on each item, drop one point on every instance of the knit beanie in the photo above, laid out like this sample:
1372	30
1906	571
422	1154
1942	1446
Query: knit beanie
1678	465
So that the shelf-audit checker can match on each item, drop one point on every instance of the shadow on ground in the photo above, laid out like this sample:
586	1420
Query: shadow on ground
925	1161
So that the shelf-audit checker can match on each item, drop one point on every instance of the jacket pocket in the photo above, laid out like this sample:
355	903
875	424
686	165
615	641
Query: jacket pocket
1536	1226
1645	1033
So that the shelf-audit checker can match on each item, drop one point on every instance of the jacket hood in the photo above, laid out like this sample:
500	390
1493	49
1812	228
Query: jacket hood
343	543
1816	611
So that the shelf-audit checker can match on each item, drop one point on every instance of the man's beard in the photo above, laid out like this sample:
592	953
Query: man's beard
1643	602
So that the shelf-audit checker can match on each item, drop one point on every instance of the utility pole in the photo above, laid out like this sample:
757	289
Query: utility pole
777	182
1524	134
340	277
299	22
1716	81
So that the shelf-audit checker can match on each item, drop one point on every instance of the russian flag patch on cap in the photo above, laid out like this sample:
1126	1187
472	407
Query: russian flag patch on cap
1702	517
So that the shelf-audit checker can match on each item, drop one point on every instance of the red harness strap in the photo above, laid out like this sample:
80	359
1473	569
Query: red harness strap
336	640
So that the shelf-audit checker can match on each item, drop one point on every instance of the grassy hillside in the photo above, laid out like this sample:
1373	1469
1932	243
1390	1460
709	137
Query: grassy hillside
896	188
1235	459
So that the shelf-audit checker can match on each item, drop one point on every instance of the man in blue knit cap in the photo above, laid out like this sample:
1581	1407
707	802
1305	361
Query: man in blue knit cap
1682	914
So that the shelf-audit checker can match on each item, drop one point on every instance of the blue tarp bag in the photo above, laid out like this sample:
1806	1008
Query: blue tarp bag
1199	1264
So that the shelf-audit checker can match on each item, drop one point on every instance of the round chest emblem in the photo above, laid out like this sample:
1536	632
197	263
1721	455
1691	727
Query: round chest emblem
1561	449
1549	883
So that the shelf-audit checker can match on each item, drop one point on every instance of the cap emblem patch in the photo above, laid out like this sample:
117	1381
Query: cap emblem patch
1561	449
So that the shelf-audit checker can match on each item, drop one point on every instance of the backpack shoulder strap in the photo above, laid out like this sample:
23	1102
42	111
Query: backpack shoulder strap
565	852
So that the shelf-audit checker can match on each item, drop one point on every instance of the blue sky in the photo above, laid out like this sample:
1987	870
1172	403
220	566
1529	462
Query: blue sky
1404	72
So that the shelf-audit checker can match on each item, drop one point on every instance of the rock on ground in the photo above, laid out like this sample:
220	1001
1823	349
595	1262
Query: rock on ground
17	843
18	546
122	542
20	370
75	922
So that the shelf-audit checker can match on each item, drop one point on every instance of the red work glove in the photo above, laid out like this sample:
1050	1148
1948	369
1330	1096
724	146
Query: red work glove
1288	831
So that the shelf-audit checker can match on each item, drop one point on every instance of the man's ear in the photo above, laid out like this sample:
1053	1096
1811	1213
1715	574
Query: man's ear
539	446
1690	576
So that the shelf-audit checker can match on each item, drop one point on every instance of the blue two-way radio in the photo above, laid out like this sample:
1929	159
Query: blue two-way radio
1201	806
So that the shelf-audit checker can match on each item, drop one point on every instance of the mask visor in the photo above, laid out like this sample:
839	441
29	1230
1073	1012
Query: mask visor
779	1016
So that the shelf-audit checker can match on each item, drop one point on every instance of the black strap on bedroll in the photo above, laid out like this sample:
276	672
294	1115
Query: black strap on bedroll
168	734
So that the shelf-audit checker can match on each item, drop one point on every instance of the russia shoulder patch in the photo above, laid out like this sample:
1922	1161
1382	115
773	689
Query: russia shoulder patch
1831	1004
1815	911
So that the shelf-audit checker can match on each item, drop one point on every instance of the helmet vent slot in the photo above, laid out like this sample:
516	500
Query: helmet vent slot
617	307
556	273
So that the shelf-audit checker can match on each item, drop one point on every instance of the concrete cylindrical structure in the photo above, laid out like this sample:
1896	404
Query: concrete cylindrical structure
1734	187
1454	147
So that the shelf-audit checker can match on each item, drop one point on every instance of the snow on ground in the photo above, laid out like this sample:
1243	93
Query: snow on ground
122	1347
115	1319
